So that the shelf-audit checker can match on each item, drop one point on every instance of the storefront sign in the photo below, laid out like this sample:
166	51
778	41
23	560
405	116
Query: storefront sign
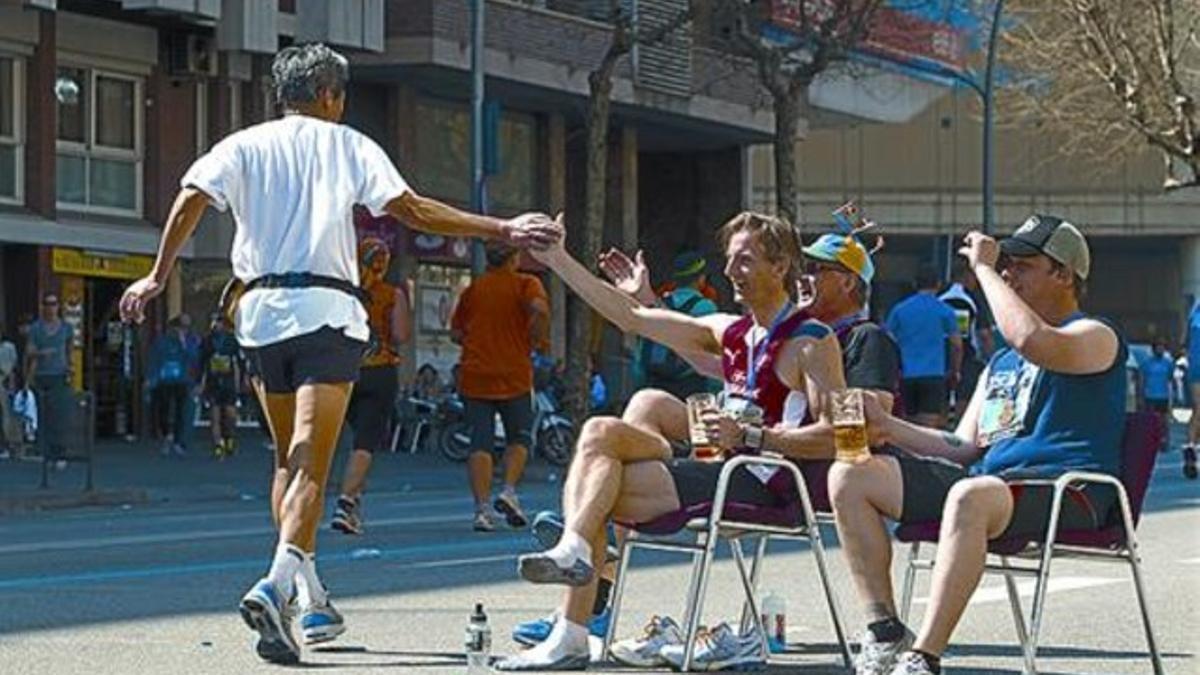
98	264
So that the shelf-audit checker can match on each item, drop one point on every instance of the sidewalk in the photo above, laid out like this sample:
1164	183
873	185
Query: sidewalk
135	473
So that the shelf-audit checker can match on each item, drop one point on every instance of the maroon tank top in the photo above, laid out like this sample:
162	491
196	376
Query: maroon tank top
767	390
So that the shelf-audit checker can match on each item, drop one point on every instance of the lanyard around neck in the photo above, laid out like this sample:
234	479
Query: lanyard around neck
754	354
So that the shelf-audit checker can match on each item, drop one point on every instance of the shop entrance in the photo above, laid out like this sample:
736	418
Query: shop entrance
109	355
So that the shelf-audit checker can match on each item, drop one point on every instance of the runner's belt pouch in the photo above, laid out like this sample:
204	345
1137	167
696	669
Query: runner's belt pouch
235	288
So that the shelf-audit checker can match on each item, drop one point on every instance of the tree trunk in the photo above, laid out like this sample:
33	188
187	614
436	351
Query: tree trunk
589	238
787	124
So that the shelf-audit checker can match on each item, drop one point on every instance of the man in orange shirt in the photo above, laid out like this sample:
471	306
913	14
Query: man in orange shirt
499	318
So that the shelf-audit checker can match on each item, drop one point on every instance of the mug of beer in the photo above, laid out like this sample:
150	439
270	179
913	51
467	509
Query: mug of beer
849	425
703	448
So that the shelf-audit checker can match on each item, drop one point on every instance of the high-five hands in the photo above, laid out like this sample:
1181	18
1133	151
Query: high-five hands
534	231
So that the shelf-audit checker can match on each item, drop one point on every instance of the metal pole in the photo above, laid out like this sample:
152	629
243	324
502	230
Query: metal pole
988	88
478	194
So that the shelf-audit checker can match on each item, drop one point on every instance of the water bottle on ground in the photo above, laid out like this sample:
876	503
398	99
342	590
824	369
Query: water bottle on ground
774	618
478	642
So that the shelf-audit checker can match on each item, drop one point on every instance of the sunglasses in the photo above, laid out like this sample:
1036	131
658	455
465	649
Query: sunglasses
814	268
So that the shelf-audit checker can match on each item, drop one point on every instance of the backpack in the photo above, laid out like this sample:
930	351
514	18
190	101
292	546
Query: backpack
172	368
661	363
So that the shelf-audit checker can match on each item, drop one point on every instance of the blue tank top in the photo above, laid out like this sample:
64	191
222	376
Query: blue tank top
1039	423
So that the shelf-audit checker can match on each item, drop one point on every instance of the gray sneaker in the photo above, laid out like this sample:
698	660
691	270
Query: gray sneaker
878	658
911	663
645	651
509	506
540	568
720	649
483	522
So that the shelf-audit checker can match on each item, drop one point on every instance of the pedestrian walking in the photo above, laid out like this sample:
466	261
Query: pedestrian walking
292	184
498	320
925	327
220	359
373	403
172	385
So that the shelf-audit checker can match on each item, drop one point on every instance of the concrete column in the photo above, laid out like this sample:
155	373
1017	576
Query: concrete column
41	123
556	201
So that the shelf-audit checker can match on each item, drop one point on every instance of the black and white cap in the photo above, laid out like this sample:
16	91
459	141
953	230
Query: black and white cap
1053	237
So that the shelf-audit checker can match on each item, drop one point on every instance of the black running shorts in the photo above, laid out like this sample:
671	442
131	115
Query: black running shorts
371	407
325	356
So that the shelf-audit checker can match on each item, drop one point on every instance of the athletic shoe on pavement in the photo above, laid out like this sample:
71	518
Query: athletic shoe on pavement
878	658
265	611
530	633
509	506
911	663
720	649
347	519
483	522
321	623
646	651
1189	462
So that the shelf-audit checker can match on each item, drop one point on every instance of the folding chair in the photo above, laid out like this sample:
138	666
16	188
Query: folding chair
734	523
1115	542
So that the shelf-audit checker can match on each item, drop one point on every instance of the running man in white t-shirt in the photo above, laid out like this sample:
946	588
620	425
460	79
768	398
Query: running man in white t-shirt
292	184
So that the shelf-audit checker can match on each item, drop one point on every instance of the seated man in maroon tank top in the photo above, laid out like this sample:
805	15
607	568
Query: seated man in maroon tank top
774	356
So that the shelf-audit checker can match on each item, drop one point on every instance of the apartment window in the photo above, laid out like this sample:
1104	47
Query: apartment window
11	150
99	155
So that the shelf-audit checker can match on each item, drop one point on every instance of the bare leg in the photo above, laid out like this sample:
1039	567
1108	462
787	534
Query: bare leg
1193	435
977	509
320	409
479	472
863	494
658	412
354	479
515	457
279	410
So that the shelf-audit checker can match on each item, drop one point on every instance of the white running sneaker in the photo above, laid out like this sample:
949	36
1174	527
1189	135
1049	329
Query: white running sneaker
646	651
878	658
911	663
721	649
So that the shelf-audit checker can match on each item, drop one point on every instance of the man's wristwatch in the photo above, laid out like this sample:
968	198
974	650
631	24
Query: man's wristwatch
752	436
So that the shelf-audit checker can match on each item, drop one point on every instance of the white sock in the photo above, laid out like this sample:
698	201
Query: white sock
284	567
309	589
565	639
570	547
509	490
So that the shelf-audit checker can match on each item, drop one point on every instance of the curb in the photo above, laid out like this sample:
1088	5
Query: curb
50	501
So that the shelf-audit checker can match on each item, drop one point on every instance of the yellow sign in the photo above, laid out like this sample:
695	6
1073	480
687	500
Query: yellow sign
94	264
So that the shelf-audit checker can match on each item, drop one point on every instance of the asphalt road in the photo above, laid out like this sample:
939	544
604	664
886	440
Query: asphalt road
153	589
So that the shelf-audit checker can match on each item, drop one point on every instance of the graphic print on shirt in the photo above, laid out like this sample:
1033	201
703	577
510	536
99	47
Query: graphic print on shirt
1006	403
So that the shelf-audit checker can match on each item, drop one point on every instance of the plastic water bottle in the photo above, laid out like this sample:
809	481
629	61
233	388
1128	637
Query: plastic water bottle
774	618
478	642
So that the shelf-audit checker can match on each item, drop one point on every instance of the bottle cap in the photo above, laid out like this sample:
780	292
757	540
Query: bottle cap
479	615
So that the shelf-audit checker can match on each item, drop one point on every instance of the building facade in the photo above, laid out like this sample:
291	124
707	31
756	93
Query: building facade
104	104
921	181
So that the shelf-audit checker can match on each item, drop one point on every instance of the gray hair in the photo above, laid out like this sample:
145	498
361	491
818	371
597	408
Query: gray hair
302	72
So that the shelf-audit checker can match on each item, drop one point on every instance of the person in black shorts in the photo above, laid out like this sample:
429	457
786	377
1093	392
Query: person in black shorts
220	358
1053	404
373	403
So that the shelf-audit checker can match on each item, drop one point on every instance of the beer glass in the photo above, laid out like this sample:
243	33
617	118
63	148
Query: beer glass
849	425
703	448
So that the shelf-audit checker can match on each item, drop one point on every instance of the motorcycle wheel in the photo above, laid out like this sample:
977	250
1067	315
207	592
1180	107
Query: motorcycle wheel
454	441
555	444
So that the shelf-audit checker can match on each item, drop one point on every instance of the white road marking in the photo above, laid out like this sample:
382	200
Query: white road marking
1025	587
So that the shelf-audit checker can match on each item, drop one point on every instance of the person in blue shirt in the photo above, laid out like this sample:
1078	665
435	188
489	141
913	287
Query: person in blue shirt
923	325
1157	368
1053	401
661	368
1193	385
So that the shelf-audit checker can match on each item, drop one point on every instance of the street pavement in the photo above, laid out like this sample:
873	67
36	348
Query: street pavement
151	585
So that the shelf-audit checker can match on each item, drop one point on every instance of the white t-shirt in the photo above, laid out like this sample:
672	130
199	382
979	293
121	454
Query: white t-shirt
292	184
